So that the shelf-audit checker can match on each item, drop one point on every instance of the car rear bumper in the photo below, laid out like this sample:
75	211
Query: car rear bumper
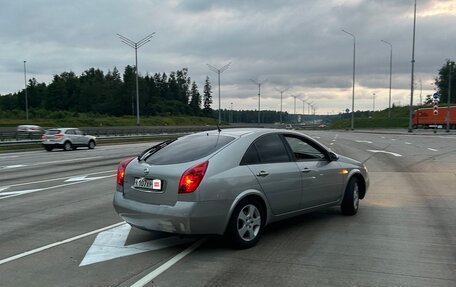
52	144
209	217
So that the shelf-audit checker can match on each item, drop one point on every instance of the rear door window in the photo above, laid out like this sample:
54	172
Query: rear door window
267	149
189	149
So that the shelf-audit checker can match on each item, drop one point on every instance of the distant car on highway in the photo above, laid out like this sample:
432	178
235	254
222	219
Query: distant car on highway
234	182
289	127
67	139
29	132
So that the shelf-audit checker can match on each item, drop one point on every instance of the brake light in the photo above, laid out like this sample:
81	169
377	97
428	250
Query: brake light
192	177
121	170
58	136
43	137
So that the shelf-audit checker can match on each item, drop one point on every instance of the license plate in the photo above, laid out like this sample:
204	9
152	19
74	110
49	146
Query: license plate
145	183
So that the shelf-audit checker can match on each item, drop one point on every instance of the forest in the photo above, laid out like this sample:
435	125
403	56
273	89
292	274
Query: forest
113	94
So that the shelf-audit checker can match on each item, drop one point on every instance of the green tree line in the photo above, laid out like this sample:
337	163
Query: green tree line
115	94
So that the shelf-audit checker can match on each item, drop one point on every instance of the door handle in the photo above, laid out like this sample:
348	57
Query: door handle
305	170
263	173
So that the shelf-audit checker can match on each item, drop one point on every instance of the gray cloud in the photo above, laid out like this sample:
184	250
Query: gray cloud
296	44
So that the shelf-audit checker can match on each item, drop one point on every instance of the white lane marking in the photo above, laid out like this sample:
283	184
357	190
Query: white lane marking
13	166
432	149
2	188
407	143
21	192
15	257
387	152
394	139
56	179
316	137
49	162
152	275
85	178
364	142
110	244
331	144
8	156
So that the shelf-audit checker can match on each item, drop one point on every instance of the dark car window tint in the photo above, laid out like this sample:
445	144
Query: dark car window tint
250	156
189	149
271	149
303	150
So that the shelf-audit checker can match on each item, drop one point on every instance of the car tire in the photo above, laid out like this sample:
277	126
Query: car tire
48	148
246	224
67	146
350	203
91	145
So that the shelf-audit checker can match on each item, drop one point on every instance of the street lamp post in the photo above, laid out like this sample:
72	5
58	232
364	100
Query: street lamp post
294	111
373	104
450	65
353	89
281	99
136	46
412	73
26	100
218	72
391	72
259	97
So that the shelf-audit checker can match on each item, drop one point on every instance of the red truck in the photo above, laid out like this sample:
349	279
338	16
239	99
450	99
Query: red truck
425	118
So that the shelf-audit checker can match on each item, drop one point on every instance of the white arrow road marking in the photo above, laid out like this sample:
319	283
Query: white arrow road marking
432	149
382	151
15	257
363	141
110	244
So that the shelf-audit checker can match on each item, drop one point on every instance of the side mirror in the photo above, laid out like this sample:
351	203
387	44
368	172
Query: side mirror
333	156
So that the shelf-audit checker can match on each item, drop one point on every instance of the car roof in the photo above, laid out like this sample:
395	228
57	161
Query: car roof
239	132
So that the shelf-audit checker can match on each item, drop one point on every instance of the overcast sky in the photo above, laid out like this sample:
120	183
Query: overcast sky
294	44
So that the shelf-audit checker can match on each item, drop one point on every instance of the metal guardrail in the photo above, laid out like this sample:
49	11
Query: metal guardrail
8	135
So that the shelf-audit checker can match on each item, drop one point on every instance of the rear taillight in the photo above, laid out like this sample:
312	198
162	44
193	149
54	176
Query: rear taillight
58	136
192	177
121	170
43	137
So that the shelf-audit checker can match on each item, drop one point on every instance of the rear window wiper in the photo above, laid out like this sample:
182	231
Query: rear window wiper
150	151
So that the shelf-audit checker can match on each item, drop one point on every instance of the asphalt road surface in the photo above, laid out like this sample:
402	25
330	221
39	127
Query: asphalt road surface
58	226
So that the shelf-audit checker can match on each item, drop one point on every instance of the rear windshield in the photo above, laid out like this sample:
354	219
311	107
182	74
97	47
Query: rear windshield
189	149
52	132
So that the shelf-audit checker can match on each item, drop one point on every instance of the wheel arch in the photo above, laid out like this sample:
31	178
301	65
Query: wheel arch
361	182
253	195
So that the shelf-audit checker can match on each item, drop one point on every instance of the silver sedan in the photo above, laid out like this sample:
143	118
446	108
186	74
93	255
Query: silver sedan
235	182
